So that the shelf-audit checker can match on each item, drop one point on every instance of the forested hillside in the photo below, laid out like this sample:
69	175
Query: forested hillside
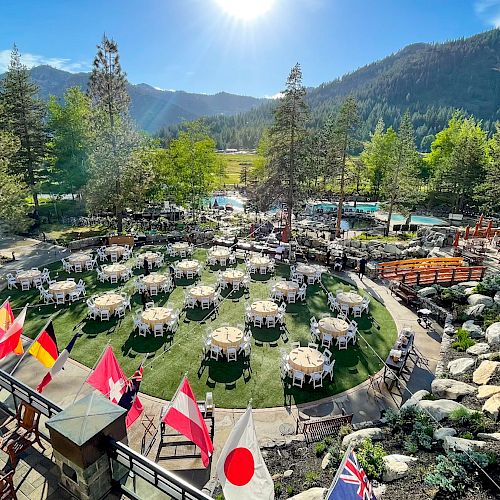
429	80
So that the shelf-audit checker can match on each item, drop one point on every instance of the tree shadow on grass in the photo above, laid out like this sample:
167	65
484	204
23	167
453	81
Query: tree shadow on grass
93	328
266	335
260	278
137	344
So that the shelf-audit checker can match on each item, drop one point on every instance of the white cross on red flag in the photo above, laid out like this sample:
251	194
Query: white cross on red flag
108	378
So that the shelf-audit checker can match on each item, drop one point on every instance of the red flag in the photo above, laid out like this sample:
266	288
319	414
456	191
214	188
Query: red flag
108	378
11	341
184	416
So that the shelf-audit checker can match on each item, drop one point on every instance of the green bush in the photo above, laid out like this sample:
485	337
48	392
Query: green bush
422	435
410	447
467	435
463	341
278	488
490	285
311	479
320	448
491	315
290	491
336	454
453	295
404	419
345	430
371	457
473	420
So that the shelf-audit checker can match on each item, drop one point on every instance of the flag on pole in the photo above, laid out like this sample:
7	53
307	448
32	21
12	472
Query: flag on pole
184	416
11	341
241	469
108	378
44	348
350	482
129	398
58	365
6	317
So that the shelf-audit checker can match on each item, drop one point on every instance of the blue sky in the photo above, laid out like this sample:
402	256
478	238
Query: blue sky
197	46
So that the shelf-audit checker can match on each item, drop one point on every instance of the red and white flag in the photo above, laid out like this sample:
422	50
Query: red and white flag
11	340
108	378
184	416
241	469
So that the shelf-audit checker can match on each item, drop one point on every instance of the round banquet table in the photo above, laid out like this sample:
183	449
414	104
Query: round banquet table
117	249
156	316
233	275
200	292
335	327
306	359
148	256
154	279
109	301
306	270
350	298
227	336
264	308
65	287
180	246
188	265
80	258
28	275
117	269
260	261
286	287
220	253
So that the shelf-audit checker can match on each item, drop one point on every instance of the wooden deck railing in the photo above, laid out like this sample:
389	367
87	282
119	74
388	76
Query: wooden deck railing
386	270
319	428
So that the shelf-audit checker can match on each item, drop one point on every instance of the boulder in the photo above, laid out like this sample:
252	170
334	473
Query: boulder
477	298
492	356
428	291
452	444
496	298
417	396
440	408
494	436
311	494
440	434
326	461
470	291
394	469
477	349
392	249
486	391
450	330
460	365
468	284
474	330
475	311
379	490
451	389
493	334
492	405
288	473
484	372
357	437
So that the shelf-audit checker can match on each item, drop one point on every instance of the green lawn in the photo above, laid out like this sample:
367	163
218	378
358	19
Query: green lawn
234	167
232	387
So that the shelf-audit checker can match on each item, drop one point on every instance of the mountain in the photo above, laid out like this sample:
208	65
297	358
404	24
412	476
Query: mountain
428	80
150	107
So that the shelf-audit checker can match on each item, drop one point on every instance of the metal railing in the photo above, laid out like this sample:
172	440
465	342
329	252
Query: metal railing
137	466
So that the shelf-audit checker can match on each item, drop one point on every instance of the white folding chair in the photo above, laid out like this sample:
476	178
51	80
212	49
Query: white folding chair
357	311
295	345
60	298
149	305
341	343
312	345
104	313
25	285
271	321
153	289
11	281
291	297
298	378
158	330
327	340
328	370
120	311
113	278
205	303
215	352
144	329
317	379
232	354
327	356
257	321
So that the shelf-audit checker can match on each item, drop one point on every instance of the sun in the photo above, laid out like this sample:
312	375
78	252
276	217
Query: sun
245	10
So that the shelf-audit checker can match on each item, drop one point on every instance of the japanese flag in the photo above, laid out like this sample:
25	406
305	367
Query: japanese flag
241	469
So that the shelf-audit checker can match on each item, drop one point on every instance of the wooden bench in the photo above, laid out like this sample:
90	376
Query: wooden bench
404	292
319	428
24	435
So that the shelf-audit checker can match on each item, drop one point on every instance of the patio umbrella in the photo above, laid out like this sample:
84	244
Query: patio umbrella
467	230
481	218
489	228
285	235
456	239
476	230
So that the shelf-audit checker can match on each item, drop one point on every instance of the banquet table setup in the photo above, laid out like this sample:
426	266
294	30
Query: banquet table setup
234	278
307	362
108	304
180	249
81	261
202	295
311	273
221	256
188	269
261	264
27	279
227	342
155	283
289	291
151	258
117	252
265	313
64	290
114	272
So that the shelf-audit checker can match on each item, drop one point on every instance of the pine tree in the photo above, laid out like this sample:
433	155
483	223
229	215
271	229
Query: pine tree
112	158
23	115
286	173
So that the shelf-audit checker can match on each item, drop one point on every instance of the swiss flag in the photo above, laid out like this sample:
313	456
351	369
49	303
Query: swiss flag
184	416
241	469
108	378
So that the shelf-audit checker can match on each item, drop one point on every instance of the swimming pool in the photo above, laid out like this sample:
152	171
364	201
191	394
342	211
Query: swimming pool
236	203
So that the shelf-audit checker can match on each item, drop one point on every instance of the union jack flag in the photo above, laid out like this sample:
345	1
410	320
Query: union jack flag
350	482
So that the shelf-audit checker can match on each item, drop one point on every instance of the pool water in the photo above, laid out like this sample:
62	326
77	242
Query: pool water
363	207
236	203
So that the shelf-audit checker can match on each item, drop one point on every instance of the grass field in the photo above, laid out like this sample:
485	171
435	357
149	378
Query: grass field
234	167
231	383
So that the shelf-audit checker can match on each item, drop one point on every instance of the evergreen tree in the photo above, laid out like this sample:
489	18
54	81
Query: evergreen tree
285	166
69	146
488	193
23	115
114	159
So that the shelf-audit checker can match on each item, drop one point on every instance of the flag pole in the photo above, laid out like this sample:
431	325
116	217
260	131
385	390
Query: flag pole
5	301
175	395
93	368
36	338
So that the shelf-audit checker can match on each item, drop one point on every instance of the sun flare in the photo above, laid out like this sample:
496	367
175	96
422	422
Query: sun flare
245	10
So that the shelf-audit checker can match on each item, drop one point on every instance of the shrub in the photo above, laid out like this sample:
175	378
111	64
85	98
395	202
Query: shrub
467	435
452	295
371	457
490	285
311	479
422	435
278	488
410	447
405	418
290	491
336	454
473	420
491	315
463	341
320	448
345	430
430	397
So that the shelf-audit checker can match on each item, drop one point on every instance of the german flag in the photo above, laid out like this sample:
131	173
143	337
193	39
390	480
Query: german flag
44	348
